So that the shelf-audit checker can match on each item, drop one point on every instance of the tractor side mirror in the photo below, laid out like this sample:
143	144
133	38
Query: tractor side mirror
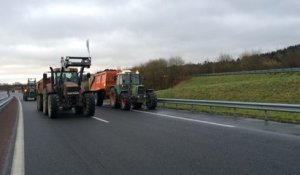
44	76
88	75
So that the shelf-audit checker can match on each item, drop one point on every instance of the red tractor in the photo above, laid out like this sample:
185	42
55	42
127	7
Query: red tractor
63	89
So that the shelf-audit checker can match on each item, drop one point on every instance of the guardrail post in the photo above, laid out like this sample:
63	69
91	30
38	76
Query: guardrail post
192	107
266	116
176	106
234	111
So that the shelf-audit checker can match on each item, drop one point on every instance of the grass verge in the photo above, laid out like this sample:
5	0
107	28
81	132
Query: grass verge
269	88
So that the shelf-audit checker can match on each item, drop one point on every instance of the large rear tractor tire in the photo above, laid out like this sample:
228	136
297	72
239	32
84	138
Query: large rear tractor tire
151	100
89	105
39	102
125	101
113	98
52	106
45	103
99	98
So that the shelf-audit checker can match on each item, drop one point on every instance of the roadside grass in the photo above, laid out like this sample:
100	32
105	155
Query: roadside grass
269	88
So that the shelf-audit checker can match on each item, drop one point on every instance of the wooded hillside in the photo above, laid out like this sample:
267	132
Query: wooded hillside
164	73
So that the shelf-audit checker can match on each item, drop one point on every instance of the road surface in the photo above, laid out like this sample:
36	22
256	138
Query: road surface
156	142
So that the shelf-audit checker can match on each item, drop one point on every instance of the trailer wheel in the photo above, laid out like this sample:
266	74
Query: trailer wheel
45	103
39	102
125	101
99	98
113	98
151	100
89	105
52	106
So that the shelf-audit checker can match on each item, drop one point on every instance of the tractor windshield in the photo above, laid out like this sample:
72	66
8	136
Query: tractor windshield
31	86
135	79
130	79
68	76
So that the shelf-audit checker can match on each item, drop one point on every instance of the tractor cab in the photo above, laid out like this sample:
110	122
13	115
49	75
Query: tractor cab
128	78
129	91
130	82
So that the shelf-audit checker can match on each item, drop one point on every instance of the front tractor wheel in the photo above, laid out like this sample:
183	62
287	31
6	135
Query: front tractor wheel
89	105
113	98
125	101
52	106
151	100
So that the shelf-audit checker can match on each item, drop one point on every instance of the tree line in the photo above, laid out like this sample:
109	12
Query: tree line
164	73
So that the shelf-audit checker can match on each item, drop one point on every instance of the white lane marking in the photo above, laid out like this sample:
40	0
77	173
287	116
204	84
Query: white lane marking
100	119
18	164
187	119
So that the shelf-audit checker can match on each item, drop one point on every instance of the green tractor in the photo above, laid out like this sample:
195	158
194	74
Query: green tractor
29	90
129	92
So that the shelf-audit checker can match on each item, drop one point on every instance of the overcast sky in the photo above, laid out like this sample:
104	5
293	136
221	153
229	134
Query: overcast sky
34	34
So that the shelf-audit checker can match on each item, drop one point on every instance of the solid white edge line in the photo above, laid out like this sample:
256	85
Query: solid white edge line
187	119
18	164
100	119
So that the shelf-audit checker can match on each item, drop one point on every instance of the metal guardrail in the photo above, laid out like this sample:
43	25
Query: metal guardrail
283	70
4	101
3	95
4	98
236	105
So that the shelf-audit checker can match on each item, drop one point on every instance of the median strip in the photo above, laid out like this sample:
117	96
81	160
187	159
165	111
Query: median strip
186	119
100	119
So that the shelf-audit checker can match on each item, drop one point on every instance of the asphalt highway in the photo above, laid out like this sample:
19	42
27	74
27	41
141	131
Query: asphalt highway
156	142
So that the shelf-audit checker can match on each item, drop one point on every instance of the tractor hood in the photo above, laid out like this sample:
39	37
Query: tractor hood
71	88
138	89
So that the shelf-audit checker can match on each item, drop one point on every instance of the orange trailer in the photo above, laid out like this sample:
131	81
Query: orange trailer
101	83
41	85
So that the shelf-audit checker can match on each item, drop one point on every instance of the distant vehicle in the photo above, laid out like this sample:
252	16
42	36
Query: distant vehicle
123	88
63	89
29	90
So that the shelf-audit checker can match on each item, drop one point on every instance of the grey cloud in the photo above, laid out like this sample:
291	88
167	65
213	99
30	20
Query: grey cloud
126	33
